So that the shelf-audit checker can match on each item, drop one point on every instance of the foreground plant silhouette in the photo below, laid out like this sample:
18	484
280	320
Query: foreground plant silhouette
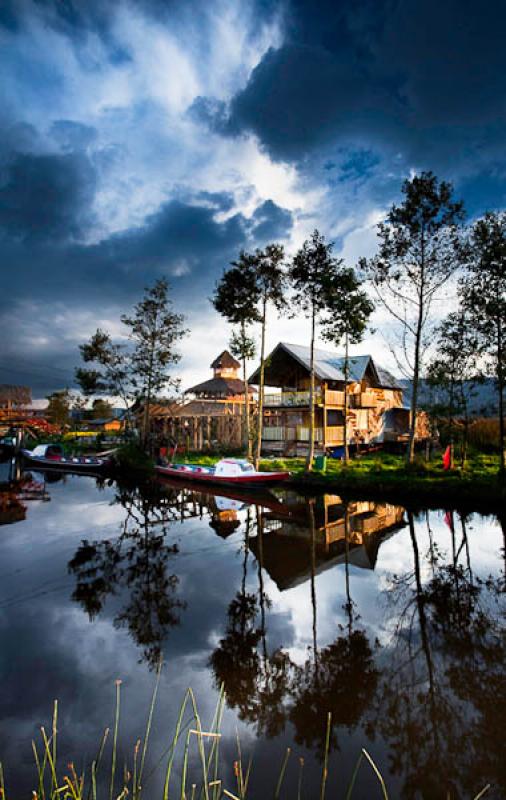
199	766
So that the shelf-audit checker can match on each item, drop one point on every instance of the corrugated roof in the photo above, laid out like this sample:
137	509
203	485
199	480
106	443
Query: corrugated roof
330	366
219	387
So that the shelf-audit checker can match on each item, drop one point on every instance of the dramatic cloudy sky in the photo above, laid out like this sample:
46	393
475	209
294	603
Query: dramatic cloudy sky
142	138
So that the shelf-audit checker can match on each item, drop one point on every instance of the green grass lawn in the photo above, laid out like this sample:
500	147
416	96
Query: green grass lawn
385	473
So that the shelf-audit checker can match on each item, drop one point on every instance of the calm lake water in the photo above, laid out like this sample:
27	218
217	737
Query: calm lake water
393	622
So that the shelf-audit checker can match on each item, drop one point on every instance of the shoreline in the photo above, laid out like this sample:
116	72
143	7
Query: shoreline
445	494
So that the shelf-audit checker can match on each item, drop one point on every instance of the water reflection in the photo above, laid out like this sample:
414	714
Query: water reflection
136	562
391	621
444	695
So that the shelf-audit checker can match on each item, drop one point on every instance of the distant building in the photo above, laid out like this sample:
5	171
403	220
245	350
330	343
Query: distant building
13	397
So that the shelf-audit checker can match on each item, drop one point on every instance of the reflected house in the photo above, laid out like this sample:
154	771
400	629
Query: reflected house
286	540
212	411
376	409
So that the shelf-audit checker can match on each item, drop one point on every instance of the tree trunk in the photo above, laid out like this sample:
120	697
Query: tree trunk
500	383
310	454
247	432
261	388
345	409
418	340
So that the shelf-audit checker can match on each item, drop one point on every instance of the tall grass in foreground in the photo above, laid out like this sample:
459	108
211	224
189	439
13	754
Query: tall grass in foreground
206	784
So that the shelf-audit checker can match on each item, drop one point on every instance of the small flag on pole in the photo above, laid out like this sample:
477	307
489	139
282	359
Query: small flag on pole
447	458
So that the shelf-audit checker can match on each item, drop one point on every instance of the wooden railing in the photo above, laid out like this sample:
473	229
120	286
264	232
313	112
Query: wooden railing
364	400
334	398
273	434
334	434
303	434
290	399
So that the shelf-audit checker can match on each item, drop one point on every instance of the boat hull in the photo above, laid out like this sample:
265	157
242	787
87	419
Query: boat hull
67	465
201	476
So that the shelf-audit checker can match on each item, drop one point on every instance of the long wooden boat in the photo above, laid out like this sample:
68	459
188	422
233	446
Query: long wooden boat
49	457
228	471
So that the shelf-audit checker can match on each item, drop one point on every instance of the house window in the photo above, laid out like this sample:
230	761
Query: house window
334	417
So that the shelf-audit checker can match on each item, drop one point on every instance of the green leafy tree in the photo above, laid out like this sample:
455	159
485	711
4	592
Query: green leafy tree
154	330
421	247
484	295
101	409
271	280
454	371
242	346
312	275
58	410
236	297
351	309
109	373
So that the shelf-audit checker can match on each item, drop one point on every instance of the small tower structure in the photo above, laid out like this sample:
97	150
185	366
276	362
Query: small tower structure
225	386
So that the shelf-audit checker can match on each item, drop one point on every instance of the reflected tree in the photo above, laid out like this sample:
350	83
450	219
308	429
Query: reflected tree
443	697
135	565
341	678
255	681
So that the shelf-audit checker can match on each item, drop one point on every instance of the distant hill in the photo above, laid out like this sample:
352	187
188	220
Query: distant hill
482	403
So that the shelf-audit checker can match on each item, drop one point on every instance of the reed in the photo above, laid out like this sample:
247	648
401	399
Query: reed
205	782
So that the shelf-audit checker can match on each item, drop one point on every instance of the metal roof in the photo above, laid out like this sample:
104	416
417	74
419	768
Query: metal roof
330	366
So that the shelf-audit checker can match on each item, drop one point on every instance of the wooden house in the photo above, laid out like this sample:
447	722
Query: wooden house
108	425
376	409
289	554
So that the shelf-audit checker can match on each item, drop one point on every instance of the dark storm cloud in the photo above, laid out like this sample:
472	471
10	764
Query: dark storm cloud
391	74
46	197
271	222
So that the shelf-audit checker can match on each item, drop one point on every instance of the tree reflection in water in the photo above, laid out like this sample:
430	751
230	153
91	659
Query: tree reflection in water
434	693
443	698
341	678
136	563
256	683
270	689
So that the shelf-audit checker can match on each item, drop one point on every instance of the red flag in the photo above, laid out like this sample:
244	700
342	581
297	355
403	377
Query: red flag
447	458
448	518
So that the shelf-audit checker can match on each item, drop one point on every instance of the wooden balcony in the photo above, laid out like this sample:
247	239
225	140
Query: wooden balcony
290	399
273	434
303	434
334	398
365	400
334	435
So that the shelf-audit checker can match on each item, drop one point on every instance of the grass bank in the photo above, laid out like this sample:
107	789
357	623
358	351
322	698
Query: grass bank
422	483
388	477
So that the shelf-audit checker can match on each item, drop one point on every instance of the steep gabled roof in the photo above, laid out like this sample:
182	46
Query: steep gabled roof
330	366
219	387
225	360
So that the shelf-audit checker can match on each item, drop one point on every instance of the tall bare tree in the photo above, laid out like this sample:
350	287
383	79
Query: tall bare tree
271	282
484	295
350	309
236	298
454	370
312	275
421	247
